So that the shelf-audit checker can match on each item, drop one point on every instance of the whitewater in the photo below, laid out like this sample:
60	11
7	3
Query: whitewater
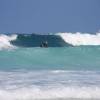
78	39
69	69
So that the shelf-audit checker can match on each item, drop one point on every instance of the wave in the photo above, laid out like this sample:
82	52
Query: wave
56	40
34	40
78	39
5	41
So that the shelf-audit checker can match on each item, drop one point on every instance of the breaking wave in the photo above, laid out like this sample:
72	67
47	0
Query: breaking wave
54	40
5	41
78	39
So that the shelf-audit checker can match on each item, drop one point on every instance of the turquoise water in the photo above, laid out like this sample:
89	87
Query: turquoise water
66	58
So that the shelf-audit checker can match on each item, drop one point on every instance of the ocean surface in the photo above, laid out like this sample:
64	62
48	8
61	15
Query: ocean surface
69	69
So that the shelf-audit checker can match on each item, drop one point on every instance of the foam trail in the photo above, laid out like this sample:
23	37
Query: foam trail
5	41
78	39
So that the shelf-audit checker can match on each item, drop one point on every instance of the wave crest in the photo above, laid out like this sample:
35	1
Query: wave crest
78	39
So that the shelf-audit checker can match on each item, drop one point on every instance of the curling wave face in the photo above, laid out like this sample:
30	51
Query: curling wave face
34	40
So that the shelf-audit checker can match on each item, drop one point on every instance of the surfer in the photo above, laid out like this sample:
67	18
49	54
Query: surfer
44	44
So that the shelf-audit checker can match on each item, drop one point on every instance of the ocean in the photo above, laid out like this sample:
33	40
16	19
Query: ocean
69	69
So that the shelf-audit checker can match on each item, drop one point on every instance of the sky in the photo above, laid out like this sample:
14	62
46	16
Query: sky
49	16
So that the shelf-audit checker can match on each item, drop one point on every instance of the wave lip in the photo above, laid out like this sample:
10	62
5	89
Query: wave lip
5	41
78	39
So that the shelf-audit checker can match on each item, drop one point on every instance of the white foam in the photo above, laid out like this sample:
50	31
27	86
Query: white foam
37	85
77	39
5	41
58	71
52	93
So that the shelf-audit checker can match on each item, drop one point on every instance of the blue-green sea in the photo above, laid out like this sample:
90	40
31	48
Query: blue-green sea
64	58
68	69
